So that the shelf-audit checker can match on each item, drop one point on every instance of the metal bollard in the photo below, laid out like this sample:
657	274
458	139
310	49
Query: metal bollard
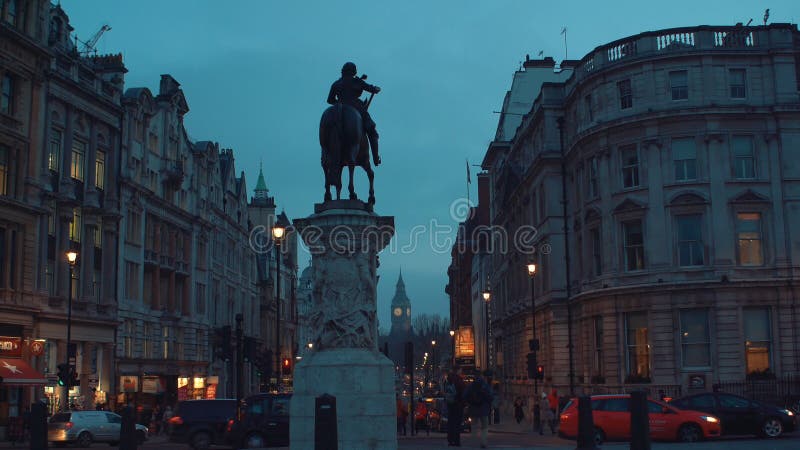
38	426
585	424
640	421
127	433
325	430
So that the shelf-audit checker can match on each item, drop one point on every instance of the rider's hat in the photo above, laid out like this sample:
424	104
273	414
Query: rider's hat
349	69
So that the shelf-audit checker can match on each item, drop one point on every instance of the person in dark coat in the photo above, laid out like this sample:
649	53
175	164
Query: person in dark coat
478	396
348	90
455	408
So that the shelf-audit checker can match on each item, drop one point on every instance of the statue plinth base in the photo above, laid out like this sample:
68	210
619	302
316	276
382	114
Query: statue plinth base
362	382
344	238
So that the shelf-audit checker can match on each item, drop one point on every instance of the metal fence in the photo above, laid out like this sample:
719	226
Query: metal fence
779	391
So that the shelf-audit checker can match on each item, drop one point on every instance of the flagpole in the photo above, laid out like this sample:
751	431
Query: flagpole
564	32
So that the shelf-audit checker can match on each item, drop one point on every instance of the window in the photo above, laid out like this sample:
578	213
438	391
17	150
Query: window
679	84
75	226
147	345
757	339
98	234
690	241
638	347
78	159
591	175
597	251
11	12
152	143
633	241
630	166
695	340
54	155
179	344
5	170
684	158
743	157
737	78
166	342
131	280
201	298
133	229
100	170
3	256
598	345
49	280
748	235
625	94
7	96
127	344
587	104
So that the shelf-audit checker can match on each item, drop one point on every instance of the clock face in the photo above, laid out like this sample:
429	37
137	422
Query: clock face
398	311
408	312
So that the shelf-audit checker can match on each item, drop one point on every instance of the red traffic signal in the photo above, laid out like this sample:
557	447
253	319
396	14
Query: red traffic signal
286	366
540	372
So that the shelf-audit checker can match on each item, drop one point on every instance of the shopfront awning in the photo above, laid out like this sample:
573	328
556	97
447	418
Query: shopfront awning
19	373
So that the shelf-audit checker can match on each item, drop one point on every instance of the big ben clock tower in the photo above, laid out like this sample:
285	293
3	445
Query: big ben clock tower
401	311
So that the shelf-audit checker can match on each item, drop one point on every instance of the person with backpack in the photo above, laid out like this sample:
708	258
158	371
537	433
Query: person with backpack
478	396
453	396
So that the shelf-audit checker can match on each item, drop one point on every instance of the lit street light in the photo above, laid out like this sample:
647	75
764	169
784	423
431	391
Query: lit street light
487	297
278	231
534	347
453	348
72	259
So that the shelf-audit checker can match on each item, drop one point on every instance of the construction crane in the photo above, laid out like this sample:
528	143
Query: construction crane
88	46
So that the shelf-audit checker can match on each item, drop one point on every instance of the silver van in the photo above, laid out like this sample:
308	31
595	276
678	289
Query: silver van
85	427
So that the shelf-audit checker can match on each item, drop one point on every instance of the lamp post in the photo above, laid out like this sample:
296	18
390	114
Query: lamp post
487	297
453	348
72	259
435	363
278	231
534	347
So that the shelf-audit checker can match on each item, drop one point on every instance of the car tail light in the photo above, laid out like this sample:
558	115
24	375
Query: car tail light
176	420
230	426
68	425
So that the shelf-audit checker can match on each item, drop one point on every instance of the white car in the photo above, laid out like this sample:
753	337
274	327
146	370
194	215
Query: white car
85	427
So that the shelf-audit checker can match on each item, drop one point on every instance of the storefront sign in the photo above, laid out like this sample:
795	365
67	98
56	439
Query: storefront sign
150	385
10	346
199	382
211	391
213	379
129	383
37	348
183	392
465	342
183	382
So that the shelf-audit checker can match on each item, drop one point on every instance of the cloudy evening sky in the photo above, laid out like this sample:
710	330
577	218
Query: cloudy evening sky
256	75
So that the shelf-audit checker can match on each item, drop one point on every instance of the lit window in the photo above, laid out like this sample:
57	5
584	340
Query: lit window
695	340
743	157
748	235
637	346
630	166
758	337
737	79
690	241
684	158
54	154
625	94
634	245
78	159
75	226
100	170
679	84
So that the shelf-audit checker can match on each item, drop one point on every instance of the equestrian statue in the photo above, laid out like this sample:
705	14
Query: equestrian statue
347	133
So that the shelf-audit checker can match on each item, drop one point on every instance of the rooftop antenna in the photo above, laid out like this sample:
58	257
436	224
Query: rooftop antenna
88	46
564	32
766	16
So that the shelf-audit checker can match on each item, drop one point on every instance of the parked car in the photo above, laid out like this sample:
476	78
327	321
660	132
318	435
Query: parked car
740	415
84	427
439	417
612	420
201	423
264	422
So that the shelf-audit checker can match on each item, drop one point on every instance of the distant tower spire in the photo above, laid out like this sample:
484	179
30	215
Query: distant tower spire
261	185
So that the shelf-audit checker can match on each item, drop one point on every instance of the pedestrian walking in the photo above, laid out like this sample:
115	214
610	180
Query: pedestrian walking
402	415
519	412
547	418
552	401
165	416
454	397
478	396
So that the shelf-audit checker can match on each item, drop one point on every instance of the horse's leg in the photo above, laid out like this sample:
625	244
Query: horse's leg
371	176
352	188
339	184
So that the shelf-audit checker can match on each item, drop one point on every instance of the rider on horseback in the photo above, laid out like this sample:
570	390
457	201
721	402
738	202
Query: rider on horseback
348	90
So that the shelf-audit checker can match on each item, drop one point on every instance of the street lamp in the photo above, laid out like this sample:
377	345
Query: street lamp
72	259
453	348
278	232
433	357
487	297
534	347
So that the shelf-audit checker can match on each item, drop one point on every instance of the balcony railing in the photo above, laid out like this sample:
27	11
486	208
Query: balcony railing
701	38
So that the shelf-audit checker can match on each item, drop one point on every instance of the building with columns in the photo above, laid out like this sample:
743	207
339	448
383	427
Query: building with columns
668	159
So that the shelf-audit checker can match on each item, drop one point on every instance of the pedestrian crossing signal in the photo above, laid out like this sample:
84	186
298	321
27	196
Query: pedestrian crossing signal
286	366
540	372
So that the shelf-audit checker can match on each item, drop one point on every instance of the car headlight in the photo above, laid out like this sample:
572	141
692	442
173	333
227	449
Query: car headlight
711	419
787	412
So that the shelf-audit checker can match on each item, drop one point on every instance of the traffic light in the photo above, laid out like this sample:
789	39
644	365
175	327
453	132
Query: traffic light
249	350
66	375
532	374
540	372
286	366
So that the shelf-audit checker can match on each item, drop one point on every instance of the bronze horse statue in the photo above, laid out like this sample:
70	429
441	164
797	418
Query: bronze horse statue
344	143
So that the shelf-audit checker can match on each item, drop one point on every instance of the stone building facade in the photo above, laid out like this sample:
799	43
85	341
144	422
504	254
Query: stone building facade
676	152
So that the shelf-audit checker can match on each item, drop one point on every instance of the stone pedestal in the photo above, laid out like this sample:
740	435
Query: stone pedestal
344	238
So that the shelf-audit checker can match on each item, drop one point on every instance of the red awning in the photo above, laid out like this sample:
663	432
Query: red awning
17	372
